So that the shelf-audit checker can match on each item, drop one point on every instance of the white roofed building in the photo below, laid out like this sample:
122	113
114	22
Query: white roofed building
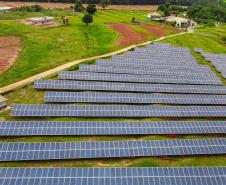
5	9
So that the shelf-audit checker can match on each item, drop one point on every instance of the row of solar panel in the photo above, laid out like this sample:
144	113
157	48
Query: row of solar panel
153	57
113	176
39	128
71	75
155	64
128	87
133	98
145	71
29	110
110	149
217	60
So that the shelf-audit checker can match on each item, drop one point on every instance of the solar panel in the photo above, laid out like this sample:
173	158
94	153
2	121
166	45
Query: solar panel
53	128
23	110
133	98
154	66
110	149
217	60
169	62
128	87
146	71
71	75
113	176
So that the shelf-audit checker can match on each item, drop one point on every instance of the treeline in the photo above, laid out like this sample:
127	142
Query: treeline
117	2
208	11
129	2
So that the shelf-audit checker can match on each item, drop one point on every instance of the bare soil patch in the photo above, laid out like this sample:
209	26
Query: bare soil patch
9	51
127	35
157	30
68	5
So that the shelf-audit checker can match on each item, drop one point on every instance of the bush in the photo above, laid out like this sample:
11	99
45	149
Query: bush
33	8
91	8
87	18
78	6
162	7
104	3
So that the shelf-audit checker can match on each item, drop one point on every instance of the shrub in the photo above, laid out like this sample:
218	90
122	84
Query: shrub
87	18
78	6
33	8
91	8
104	3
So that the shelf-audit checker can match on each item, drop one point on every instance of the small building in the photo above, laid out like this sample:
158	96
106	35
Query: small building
155	17
5	9
38	21
3	102
180	22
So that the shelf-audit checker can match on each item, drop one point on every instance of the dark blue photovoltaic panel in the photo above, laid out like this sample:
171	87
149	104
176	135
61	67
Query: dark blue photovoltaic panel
71	75
114	176
30	128
217	60
110	149
133	98
153	65
147	71
128	87
30	110
150	63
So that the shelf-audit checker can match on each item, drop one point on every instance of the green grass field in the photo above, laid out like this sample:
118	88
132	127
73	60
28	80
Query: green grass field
209	39
45	48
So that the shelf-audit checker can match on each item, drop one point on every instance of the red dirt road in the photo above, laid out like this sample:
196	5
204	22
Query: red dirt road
67	5
9	51
127	36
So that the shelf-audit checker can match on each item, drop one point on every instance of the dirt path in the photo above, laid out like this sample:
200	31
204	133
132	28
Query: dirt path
127	35
70	64
9	51
68	5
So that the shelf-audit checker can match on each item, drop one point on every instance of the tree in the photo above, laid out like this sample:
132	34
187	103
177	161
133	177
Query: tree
162	7
104	3
166	12
78	6
91	8
87	18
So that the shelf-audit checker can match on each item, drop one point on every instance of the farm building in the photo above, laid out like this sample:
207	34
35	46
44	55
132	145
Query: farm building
40	20
3	102
155	17
5	9
180	22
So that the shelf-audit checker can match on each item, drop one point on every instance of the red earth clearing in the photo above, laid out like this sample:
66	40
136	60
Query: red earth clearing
9	51
158	30
68	5
127	36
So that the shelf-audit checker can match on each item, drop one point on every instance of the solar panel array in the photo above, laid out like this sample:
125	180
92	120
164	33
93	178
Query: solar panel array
110	149
143	71
25	110
69	75
164	62
157	74
39	128
127	87
216	60
113	176
133	98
